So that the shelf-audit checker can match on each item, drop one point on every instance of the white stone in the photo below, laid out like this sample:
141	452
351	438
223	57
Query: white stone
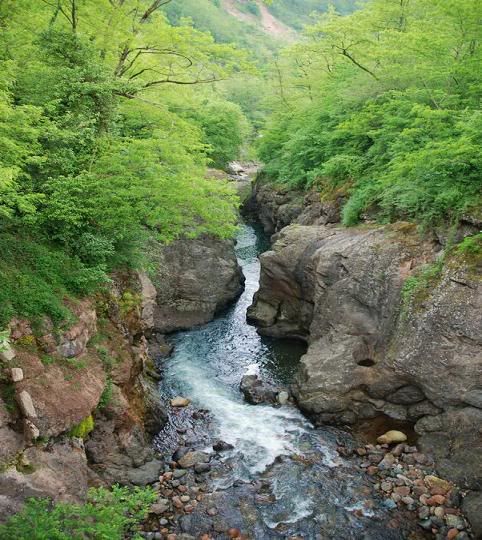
283	397
26	404
17	374
7	353
31	431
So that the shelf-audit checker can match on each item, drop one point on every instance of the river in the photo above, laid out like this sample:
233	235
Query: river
283	478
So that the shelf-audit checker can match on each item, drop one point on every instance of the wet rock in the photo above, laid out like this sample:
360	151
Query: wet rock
256	391
190	459
283	398
180	401
202	468
387	462
221	446
452	533
472	507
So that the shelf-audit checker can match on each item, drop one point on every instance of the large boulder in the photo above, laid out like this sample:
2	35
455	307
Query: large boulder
194	279
369	355
57	471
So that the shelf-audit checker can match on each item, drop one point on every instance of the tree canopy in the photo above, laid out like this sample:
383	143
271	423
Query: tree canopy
383	106
108	120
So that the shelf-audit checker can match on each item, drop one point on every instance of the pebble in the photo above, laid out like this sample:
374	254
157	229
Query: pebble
179	473
455	522
176	501
185	498
439	511
403	491
163	522
452	533
387	461
386	486
211	512
436	500
424	512
234	533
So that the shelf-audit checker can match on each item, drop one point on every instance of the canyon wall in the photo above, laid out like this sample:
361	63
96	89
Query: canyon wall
381	347
79	403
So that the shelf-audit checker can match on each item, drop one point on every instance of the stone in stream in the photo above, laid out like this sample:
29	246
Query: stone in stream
190	459
256	391
180	401
221	446
283	397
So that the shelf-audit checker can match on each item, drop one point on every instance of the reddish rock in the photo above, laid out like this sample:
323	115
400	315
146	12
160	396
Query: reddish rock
452	533
403	491
436	500
372	470
176	501
234	533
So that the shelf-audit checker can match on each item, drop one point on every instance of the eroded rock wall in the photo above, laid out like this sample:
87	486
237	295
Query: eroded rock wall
340	289
53	381
194	279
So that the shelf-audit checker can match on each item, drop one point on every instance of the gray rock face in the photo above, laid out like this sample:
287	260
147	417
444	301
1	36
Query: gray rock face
59	472
277	206
340	289
194	279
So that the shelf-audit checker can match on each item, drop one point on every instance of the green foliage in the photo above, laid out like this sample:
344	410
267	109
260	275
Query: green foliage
225	129
106	395
36	278
97	153
4	340
107	514
471	246
83	428
418	287
385	103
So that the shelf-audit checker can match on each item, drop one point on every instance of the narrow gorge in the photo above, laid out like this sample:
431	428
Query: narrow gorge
207	408
240	270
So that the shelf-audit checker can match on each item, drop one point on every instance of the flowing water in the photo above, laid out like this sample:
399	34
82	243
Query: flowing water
306	488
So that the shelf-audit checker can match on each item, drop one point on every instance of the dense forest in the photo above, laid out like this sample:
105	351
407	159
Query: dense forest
108	121
383	107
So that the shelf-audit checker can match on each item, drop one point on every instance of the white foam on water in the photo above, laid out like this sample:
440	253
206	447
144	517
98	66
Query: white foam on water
261	433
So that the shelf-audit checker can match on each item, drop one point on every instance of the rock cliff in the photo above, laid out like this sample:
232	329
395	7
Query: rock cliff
194	279
58	385
370	354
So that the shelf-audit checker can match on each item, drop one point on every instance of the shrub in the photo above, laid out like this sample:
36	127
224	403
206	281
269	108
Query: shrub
107	515
83	428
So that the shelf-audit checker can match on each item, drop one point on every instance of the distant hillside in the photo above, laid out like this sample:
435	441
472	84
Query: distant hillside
251	23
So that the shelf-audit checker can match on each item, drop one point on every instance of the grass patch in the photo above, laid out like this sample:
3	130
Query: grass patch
36	279
111	514
417	288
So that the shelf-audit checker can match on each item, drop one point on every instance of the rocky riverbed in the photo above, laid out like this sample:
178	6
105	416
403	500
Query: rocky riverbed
238	464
